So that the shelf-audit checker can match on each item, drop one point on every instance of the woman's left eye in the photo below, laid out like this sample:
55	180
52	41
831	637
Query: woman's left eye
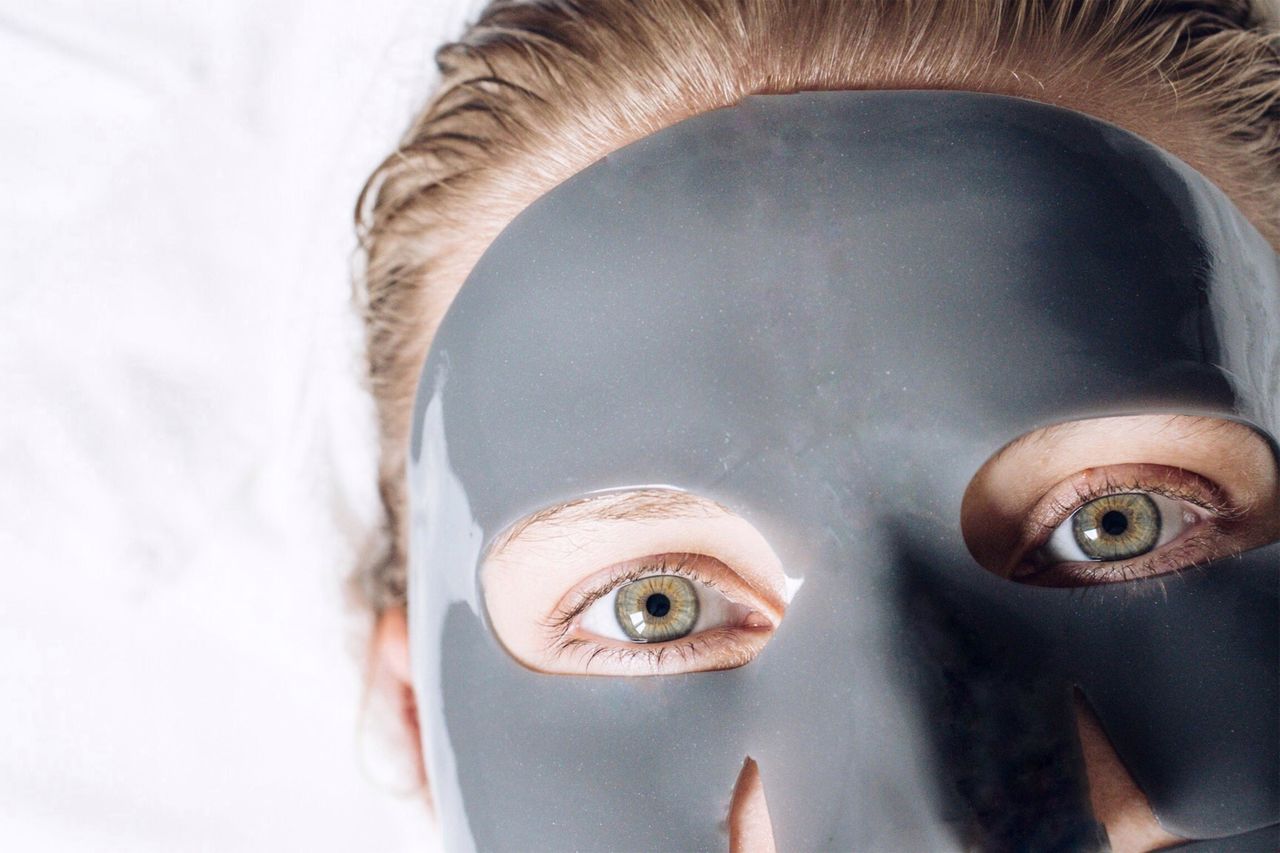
660	608
1117	527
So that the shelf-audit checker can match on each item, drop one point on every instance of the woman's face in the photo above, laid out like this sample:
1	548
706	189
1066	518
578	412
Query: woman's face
868	467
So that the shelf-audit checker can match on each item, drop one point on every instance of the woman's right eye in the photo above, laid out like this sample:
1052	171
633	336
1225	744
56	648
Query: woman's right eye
660	608
661	614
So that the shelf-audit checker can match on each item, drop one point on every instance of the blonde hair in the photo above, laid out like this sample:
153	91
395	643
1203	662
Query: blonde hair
536	90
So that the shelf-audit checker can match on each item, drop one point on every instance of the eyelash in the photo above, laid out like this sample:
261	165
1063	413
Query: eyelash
720	640
561	620
1184	552
726	642
1170	558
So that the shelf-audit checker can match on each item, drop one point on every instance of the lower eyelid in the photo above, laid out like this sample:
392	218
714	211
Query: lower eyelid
1193	546
714	649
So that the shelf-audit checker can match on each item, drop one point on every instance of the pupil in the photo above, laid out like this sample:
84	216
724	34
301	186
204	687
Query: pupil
1115	522
657	605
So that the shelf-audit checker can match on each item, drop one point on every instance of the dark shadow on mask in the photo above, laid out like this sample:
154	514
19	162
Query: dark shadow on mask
1004	736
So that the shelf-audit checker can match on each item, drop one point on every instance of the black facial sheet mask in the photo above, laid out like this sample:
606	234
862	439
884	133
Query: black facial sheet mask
826	311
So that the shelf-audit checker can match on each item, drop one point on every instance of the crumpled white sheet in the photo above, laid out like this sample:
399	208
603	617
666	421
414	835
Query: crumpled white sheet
186	457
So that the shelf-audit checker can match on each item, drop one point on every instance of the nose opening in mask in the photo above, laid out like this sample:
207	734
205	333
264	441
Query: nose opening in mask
750	829
1116	800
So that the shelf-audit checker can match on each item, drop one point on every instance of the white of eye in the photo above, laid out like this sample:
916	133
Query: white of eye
714	611
1063	545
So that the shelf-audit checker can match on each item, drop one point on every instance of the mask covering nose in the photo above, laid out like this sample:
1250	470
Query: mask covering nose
825	311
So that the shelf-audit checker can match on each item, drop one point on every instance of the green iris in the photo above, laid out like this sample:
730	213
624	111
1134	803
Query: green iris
658	608
1117	527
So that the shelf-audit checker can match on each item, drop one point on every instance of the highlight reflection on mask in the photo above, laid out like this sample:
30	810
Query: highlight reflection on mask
825	311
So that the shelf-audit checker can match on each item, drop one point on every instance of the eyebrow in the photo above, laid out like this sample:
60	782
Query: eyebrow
1192	424
637	505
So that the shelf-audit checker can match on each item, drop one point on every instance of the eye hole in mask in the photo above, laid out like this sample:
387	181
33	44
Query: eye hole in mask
626	583
1134	497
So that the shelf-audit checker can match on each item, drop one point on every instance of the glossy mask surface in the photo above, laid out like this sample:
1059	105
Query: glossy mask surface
826	311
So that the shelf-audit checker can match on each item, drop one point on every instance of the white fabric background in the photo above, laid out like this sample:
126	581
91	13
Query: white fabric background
186	456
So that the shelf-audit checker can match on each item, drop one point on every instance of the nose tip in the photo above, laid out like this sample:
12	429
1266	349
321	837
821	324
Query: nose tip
750	830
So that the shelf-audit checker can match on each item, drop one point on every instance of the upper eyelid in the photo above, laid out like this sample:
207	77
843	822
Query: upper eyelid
1063	512
1211	498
